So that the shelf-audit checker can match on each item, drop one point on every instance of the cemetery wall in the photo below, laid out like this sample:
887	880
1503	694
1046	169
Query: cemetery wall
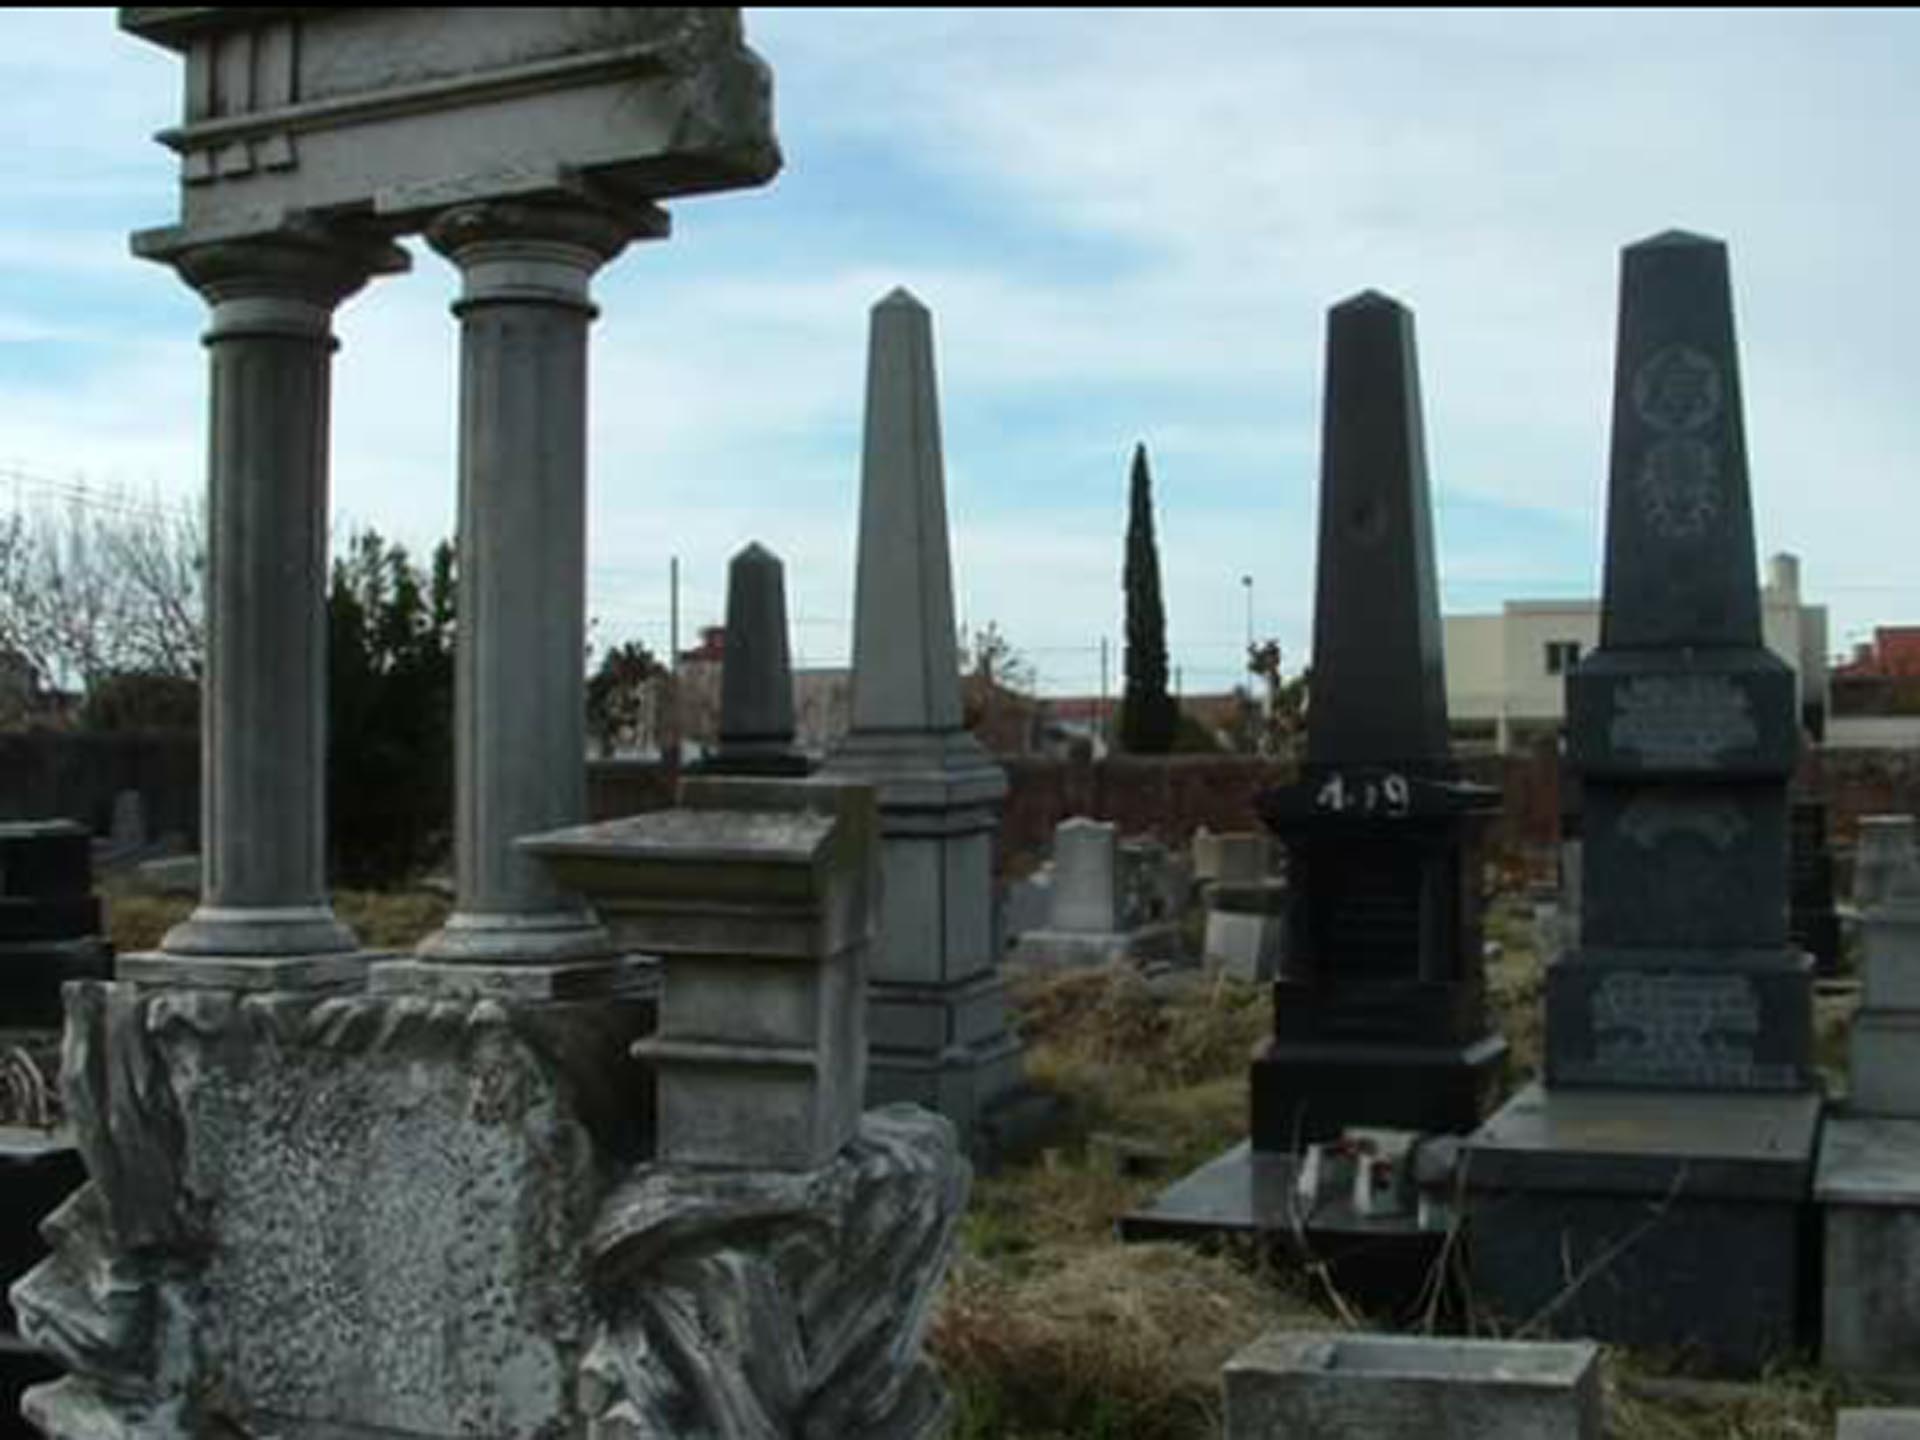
46	774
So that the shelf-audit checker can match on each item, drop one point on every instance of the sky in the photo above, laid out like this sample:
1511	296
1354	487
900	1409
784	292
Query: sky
1129	226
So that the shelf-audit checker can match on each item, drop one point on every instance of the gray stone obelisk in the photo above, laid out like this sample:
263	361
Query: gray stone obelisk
1679	1083
937	1012
264	915
756	677
520	741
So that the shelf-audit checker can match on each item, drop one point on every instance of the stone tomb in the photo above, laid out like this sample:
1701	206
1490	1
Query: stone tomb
1662	1172
1090	921
1379	1018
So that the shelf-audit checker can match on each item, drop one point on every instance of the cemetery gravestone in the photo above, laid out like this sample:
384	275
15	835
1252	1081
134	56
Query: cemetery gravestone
937	1021
1379	1017
1094	919
1884	846
756	678
1679	1030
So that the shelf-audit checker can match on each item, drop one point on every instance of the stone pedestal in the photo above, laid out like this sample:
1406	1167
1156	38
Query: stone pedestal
1666	1164
757	895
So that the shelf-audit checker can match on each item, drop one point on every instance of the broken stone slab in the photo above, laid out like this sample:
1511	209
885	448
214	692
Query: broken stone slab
1312	1386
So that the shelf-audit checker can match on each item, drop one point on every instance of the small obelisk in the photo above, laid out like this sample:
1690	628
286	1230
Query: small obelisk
1379	1020
756	677
937	1009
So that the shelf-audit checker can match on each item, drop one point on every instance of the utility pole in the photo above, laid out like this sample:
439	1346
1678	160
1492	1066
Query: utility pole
673	674
1100	720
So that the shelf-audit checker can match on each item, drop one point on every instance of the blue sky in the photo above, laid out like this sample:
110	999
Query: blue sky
1129	226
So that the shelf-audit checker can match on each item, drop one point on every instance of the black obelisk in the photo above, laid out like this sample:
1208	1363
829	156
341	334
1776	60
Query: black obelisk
1380	1020
1667	1160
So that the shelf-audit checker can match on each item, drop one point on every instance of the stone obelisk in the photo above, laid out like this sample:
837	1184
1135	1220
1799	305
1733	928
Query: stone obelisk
1380	1018
1678	1076
937	1009
756	676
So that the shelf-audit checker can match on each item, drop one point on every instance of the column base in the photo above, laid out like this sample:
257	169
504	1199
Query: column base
252	974
550	938
307	930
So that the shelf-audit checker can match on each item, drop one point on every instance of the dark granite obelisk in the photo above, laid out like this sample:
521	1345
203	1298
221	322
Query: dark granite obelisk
756	676
1681	727
1380	1020
1667	1159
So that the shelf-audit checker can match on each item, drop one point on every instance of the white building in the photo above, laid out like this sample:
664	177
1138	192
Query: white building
1506	673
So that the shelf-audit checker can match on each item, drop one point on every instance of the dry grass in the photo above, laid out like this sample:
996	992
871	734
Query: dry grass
1052	1330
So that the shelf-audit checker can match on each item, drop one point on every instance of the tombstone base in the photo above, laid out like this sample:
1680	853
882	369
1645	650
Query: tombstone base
1868	1190
1308	1091
1666	1220
1380	1262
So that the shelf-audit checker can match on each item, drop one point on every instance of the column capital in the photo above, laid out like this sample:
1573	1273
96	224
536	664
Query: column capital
543	251
286	284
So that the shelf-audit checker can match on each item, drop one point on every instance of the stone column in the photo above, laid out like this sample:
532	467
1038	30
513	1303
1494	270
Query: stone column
264	888
520	730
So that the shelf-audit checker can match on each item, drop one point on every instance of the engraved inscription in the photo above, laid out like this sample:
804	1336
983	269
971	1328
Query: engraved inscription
1677	1028
1651	820
1678	390
1680	487
1688	720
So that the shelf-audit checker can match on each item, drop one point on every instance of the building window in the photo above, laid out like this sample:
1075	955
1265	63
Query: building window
1562	656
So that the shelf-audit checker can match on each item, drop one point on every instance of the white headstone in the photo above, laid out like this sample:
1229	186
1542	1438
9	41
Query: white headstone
1084	893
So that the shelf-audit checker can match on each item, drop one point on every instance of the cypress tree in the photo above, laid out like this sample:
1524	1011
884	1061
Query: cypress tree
1148	717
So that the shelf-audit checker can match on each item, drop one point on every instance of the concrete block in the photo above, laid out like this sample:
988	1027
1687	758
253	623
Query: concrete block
1878	1425
1247	947
1335	1387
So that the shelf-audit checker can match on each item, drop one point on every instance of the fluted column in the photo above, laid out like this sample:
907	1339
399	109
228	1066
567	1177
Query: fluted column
520	731
263	841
